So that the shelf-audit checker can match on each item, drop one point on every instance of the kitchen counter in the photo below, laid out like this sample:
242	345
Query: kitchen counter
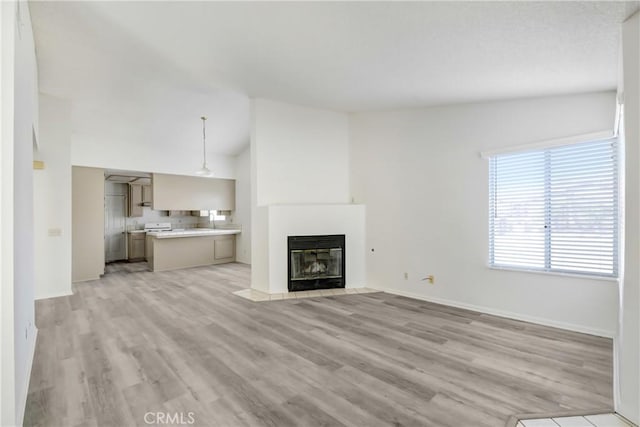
175	249
191	232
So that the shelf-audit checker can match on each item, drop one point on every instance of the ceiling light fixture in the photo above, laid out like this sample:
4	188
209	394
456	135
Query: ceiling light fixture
204	170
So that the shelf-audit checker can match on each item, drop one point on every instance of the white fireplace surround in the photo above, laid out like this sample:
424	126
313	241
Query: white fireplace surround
280	221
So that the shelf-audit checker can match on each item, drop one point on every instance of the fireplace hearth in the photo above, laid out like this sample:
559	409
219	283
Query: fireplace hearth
316	262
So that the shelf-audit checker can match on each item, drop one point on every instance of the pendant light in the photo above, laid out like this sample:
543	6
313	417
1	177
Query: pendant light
204	170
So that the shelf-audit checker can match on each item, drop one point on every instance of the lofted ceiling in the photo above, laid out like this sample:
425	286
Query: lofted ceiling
156	67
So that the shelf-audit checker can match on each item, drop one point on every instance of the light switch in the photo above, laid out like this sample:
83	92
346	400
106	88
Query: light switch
55	232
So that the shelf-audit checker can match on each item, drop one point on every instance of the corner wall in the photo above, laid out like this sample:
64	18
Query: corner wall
299	186
425	186
302	154
242	214
128	147
25	133
52	200
628	353
87	216
19	123
7	332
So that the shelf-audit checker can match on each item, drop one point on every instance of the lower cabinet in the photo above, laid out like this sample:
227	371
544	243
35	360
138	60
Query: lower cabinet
224	249
190	251
137	246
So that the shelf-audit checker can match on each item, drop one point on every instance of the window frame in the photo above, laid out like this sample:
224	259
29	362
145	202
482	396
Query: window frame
617	195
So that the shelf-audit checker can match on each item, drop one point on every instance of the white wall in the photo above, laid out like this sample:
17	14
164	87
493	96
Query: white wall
302	154
52	200
426	191
260	259
7	345
299	156
124	152
259	217
242	214
26	122
19	123
627	354
87	223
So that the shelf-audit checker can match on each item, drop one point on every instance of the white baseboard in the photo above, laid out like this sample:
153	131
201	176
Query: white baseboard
507	314
54	295
22	400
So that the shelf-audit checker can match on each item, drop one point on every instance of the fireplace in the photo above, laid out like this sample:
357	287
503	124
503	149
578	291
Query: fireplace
316	262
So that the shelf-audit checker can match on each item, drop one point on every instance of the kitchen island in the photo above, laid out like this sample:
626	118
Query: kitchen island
175	249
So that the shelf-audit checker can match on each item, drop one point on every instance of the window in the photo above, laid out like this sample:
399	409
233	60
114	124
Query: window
217	215
556	209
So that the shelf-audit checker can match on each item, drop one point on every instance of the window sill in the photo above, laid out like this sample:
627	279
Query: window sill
555	273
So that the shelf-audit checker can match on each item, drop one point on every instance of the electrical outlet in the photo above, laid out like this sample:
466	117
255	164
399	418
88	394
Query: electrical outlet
406	275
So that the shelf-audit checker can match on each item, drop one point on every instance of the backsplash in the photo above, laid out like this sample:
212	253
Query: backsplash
149	215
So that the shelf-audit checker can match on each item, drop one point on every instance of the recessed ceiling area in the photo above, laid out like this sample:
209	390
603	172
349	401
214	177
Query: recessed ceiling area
156	67
127	177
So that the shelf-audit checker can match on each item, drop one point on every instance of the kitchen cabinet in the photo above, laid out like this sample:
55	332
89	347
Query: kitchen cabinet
137	246
179	192
224	249
182	251
147	195
135	200
139	196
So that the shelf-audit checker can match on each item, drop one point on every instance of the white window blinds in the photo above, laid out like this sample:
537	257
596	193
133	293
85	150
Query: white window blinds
556	209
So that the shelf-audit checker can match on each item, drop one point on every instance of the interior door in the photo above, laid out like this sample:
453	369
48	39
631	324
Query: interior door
115	237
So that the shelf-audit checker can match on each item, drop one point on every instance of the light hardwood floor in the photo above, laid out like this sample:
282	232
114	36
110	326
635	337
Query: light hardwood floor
180	342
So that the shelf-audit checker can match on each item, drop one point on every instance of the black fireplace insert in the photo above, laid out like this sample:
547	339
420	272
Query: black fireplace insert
316	262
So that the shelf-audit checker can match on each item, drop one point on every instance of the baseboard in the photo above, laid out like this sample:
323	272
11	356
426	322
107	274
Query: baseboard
54	295
88	279
508	314
513	420
628	414
22	402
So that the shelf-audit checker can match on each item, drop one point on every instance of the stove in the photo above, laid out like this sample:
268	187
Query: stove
150	227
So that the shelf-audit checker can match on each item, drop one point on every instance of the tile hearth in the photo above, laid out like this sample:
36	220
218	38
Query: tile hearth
257	296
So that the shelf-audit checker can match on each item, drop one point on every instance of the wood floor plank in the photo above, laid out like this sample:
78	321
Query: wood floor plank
180	342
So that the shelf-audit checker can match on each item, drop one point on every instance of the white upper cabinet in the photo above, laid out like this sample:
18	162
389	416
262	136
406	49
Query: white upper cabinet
179	192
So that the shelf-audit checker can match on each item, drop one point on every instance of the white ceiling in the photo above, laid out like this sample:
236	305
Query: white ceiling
156	67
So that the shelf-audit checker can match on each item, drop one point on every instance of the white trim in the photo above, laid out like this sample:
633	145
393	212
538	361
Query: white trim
619	114
53	295
22	400
616	373
605	134
88	279
557	273
507	314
